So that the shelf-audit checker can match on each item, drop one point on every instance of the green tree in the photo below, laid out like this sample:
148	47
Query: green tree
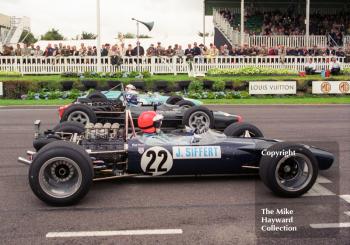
144	36
88	35
201	34
52	34
28	38
129	35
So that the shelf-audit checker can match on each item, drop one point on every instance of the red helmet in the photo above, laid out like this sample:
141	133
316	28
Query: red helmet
148	121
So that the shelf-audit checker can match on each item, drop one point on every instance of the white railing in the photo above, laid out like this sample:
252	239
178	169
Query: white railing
57	65
202	65
156	65
346	41
296	41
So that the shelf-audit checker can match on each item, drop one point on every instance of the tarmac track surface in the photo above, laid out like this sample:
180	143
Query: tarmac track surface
215	210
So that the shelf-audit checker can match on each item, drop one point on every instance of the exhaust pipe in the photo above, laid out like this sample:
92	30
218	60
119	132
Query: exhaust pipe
30	153
24	161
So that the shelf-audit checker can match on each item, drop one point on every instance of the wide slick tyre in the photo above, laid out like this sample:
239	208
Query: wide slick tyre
198	118
69	127
172	100
97	96
64	127
243	129
61	173
185	104
79	113
291	174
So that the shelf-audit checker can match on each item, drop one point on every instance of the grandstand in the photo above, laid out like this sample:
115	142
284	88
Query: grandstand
300	23
11	28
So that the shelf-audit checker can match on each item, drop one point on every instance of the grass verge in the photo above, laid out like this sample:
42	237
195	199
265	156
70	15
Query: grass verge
287	101
246	101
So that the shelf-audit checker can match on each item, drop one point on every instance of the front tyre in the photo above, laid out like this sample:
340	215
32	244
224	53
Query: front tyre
198	118
79	113
61	173
289	175
185	104
243	130
172	100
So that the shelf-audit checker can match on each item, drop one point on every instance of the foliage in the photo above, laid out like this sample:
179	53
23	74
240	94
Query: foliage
143	36
218	95
196	86
52	95
88	35
105	75
201	34
248	70
127	35
219	85
52	34
10	74
346	71
28	38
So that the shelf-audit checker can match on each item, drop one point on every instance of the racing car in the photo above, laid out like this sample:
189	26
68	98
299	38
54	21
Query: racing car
62	172
97	108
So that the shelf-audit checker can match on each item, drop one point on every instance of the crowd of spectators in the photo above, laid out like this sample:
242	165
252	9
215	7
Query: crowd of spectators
190	51
292	23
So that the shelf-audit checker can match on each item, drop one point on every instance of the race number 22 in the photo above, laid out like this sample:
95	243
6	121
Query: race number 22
156	161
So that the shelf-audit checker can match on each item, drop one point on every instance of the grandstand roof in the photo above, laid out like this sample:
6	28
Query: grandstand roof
210	4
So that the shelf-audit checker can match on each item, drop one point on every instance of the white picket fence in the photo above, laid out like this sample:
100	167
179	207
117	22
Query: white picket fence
156	65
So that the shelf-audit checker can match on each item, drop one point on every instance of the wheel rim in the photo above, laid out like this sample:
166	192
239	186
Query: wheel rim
79	116
247	134
294	172
199	120
60	177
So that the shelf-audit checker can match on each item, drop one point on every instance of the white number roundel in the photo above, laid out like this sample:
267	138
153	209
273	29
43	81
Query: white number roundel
156	161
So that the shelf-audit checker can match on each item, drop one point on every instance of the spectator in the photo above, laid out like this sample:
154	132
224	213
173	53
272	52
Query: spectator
159	49
170	52
122	49
104	50
189	52
151	51
334	66
18	50
49	51
38	51
129	51
310	67
138	50
179	51
196	50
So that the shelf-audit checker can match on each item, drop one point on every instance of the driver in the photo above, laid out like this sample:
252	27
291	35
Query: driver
131	95
150	122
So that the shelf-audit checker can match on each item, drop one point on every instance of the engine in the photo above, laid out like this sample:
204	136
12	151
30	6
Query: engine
105	143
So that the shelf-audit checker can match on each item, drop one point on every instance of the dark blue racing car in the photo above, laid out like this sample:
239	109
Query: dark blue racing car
63	170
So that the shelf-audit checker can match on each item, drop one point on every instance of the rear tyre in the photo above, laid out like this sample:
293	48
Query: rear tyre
198	118
243	130
61	173
185	104
79	113
69	127
172	100
97	96
289	175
